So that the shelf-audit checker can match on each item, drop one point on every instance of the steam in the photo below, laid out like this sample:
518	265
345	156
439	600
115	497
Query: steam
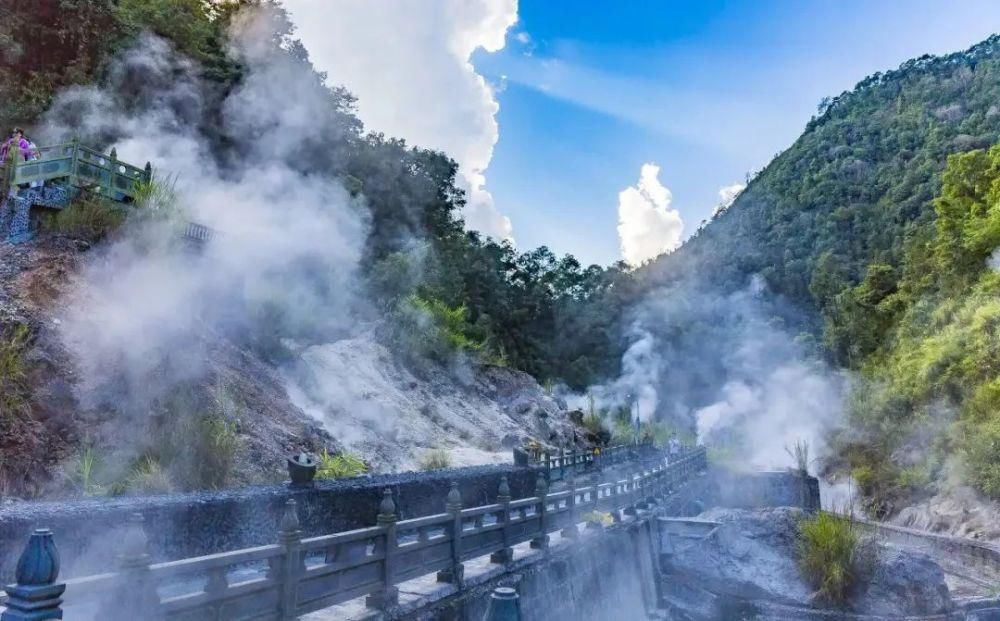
647	226
725	368
142	316
410	65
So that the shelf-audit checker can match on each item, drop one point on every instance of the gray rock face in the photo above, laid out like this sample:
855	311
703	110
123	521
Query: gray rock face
749	565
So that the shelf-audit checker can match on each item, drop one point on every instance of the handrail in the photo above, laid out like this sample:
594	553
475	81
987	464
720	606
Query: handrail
302	575
81	167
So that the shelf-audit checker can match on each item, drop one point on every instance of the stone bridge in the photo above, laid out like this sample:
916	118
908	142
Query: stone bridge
373	570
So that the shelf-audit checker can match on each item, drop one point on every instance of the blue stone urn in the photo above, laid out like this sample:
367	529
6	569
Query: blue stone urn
39	563
37	595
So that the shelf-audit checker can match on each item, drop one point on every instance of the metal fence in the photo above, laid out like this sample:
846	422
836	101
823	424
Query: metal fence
299	575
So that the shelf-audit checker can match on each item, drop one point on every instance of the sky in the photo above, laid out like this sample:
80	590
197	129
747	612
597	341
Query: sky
613	130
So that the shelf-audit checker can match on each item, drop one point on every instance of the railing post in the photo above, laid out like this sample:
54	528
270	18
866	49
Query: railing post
504	605
505	554
541	491
134	594
570	531
389	595
616	494
292	563
36	596
453	506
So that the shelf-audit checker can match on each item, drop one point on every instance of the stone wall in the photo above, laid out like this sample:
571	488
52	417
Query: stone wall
182	525
750	490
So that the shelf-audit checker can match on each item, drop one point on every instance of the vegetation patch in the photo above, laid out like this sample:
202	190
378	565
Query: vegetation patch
435	459
834	555
13	372
90	217
339	466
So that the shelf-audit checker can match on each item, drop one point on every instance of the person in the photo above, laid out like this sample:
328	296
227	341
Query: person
19	142
32	154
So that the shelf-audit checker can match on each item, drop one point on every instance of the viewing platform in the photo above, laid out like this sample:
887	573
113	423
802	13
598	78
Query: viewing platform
57	176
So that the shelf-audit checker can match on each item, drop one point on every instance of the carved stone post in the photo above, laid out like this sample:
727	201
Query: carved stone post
389	596
504	605
541	491
570	531
134	593
36	596
292	563
149	172
453	506
505	554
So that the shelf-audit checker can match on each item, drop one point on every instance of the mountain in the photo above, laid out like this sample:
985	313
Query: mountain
877	224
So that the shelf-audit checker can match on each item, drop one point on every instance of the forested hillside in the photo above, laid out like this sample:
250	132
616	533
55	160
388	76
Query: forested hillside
876	245
865	224
510	307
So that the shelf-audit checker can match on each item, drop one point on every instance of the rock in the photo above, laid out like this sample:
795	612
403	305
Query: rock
751	559
905	581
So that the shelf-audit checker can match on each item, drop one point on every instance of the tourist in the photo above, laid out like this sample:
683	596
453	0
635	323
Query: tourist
17	140
32	154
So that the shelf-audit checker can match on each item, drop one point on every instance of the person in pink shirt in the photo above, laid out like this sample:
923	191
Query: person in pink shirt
17	140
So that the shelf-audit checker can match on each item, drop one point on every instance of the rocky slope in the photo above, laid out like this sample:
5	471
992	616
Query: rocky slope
348	394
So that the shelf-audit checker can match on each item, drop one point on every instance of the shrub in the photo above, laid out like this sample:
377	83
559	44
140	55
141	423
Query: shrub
829	554
90	217
13	373
426	327
435	459
339	466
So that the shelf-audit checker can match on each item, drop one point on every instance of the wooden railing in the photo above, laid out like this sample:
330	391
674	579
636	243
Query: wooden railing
80	167
298	575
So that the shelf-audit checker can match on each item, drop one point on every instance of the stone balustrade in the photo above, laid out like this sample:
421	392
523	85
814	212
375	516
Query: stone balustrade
297	575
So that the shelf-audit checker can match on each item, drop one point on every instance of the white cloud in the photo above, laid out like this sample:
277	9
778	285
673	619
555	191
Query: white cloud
727	194
647	226
408	62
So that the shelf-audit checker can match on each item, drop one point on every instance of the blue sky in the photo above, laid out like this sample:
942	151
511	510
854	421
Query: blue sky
590	91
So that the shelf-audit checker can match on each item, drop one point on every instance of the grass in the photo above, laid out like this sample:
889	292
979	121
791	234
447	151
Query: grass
147	476
339	466
435	459
832	555
91	218
216	449
13	372
85	472
799	452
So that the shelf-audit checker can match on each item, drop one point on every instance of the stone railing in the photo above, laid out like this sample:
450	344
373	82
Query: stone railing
299	575
971	554
558	463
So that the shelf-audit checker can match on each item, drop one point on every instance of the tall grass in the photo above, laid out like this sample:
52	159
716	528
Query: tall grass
799	452
435	459
833	555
